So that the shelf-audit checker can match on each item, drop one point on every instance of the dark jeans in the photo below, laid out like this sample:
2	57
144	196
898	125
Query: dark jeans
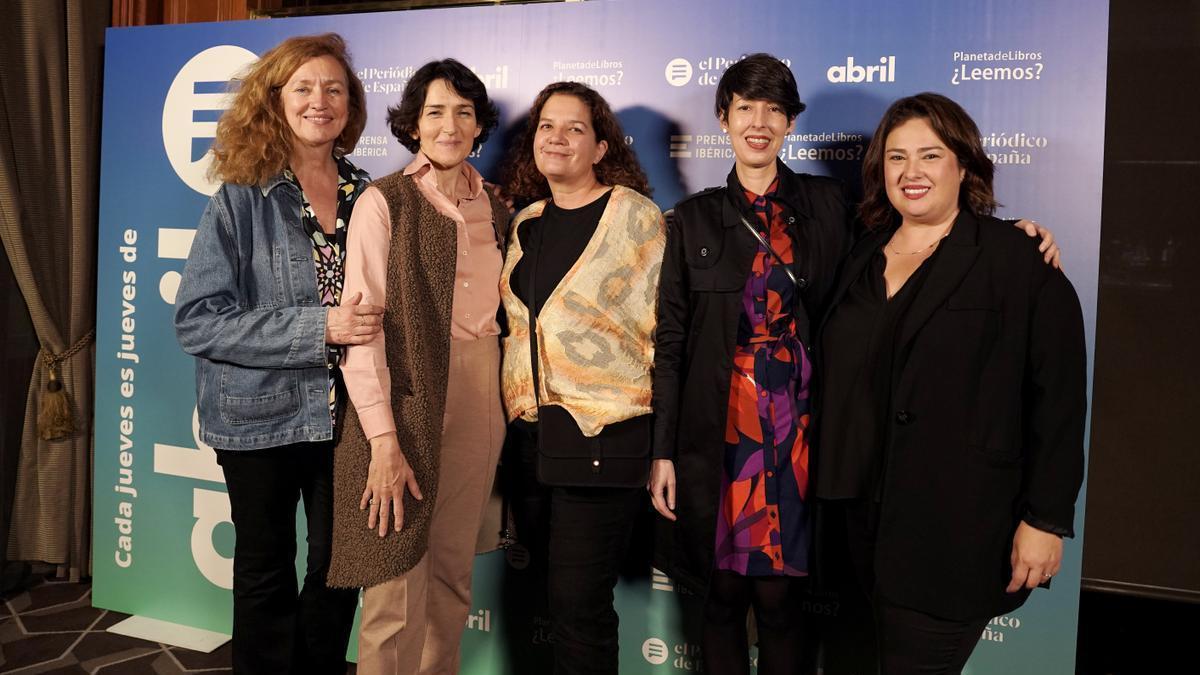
276	630
584	533
910	642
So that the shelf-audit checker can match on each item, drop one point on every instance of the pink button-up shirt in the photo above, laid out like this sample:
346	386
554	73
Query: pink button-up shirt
476	280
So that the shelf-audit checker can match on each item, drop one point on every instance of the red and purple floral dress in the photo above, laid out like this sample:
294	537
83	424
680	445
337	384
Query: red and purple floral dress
762	524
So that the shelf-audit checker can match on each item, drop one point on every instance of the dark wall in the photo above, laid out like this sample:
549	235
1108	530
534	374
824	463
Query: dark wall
1142	530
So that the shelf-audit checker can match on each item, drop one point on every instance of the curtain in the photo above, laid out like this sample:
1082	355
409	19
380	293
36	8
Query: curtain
51	55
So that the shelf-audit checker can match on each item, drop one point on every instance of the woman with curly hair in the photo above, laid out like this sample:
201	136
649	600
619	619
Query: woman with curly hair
261	308
579	288
425	428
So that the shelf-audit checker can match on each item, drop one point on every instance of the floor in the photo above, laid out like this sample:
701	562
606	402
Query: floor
49	626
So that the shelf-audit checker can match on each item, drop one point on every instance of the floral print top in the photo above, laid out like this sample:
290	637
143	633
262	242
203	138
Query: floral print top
329	252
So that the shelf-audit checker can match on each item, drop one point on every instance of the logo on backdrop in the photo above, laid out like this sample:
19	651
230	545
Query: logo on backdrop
481	621
655	651
194	102
679	72
1001	66
1013	147
592	72
996	628
210	508
851	72
826	146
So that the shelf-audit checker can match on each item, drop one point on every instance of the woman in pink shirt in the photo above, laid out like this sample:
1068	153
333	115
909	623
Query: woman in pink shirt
415	467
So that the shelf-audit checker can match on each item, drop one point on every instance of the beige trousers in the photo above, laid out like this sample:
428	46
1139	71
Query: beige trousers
413	623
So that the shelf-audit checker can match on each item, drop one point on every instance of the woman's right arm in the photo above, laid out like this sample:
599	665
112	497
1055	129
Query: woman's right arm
365	368
211	320
670	345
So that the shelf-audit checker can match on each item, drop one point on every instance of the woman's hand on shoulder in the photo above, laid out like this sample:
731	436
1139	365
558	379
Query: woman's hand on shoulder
387	477
1051	253
1036	557
353	323
662	487
500	194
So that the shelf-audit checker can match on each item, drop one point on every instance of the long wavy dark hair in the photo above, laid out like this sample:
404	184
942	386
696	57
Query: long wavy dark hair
619	165
956	129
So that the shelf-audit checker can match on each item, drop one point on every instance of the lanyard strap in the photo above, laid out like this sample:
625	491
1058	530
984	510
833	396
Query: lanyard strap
786	267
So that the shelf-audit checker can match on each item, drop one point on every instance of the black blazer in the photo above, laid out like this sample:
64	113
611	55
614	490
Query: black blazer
986	424
707	262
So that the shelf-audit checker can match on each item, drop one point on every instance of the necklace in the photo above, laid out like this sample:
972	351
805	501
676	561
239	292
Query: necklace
923	248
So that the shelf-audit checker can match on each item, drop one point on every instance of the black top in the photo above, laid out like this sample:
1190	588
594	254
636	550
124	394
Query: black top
858	351
556	239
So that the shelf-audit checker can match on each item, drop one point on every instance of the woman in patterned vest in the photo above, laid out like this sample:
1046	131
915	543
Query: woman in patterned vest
579	287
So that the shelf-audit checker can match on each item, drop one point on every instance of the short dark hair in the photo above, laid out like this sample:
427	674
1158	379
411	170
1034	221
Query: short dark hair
759	77
404	118
619	166
956	129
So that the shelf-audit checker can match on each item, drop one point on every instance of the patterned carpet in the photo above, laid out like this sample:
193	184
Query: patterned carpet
49	626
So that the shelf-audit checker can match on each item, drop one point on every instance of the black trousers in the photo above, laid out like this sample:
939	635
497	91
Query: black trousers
584	534
275	628
910	642
778	617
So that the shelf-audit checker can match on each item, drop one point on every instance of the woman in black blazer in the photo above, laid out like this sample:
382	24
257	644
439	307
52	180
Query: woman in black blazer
954	399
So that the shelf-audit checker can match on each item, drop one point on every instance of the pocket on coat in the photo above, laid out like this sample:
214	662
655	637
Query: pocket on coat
1003	459
715	280
256	395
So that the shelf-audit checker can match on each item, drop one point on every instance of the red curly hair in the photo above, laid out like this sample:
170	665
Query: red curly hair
254	141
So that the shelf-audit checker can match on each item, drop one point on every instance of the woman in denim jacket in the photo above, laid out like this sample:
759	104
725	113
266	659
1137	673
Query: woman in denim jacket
260	308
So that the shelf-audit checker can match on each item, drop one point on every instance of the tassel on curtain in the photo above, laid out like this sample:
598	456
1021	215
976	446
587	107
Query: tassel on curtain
54	419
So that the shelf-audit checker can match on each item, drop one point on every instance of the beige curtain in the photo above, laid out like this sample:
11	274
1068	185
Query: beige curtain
51	56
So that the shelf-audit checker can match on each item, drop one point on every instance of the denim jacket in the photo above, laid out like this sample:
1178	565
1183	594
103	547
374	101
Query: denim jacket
248	310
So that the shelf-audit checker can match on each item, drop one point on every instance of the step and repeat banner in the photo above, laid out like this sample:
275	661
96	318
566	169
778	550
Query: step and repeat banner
1030	72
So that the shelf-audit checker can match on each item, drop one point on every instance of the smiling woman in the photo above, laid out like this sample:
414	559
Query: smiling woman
415	466
746	269
262	346
951	443
585	254
315	101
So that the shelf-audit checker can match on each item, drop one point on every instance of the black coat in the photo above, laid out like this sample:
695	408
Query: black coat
705	269
986	419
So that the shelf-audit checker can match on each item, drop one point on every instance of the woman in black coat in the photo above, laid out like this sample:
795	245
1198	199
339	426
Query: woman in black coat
747	266
954	395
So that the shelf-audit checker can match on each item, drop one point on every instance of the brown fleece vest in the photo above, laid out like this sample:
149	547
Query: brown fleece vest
420	291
